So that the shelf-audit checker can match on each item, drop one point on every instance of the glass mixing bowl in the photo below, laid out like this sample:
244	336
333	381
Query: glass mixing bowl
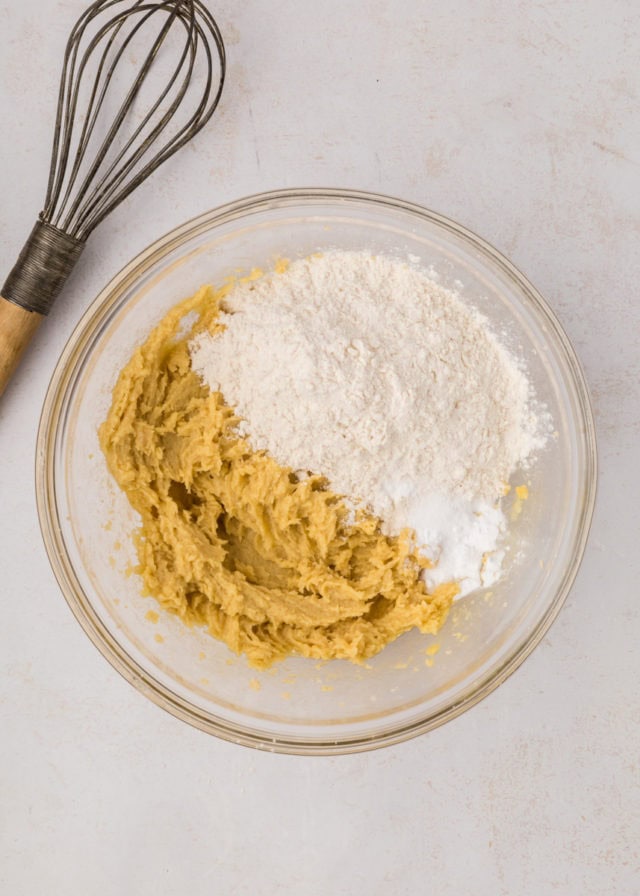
302	706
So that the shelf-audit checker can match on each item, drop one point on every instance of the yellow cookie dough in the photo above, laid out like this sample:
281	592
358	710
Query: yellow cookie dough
232	540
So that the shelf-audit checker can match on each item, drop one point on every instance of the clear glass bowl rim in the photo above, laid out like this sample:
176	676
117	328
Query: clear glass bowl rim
80	605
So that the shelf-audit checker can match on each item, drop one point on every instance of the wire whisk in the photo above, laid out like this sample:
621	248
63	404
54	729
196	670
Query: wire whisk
77	201
115	125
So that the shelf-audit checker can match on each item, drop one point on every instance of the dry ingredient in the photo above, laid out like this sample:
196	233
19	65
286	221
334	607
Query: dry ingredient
363	369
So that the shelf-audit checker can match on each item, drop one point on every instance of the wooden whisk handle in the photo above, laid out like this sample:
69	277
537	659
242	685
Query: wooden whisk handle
17	326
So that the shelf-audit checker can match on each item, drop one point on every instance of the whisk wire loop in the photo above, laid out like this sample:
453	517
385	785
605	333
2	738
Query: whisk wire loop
99	90
107	182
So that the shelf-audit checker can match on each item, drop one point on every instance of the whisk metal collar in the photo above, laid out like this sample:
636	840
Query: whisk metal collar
43	266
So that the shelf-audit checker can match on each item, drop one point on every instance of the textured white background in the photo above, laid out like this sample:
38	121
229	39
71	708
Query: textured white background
521	120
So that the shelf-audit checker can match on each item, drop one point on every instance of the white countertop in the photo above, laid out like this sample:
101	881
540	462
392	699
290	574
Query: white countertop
522	121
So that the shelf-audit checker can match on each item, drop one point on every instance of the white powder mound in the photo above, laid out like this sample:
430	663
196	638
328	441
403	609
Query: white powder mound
365	370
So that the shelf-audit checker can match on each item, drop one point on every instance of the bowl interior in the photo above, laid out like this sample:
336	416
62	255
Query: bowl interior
301	704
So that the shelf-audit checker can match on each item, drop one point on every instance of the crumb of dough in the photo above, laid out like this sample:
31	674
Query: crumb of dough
233	541
522	493
152	616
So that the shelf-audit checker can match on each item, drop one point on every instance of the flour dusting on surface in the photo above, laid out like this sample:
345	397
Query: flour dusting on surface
363	369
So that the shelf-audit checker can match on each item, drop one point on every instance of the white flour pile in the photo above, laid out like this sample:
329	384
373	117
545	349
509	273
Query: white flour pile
365	370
